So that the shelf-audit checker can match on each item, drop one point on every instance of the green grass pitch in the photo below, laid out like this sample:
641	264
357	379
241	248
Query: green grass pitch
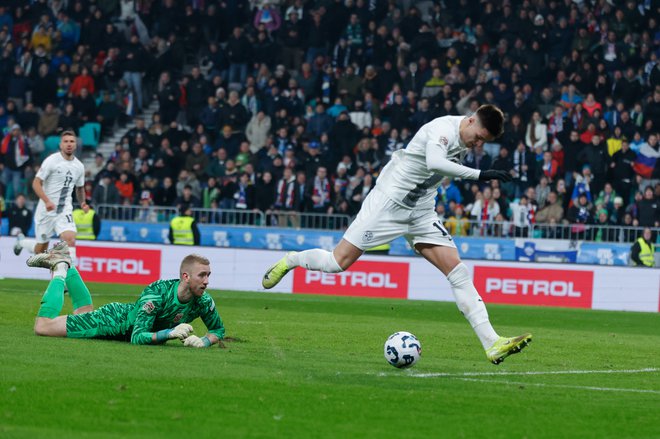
313	367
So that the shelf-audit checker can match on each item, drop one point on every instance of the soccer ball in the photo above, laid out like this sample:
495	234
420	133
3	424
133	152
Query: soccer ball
402	349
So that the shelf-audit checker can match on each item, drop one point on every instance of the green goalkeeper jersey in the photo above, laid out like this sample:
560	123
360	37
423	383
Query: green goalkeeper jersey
158	308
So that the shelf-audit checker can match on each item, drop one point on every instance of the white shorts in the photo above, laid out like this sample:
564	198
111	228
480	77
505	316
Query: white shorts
47	225
381	220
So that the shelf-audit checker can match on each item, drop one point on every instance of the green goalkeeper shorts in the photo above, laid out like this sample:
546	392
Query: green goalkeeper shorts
112	321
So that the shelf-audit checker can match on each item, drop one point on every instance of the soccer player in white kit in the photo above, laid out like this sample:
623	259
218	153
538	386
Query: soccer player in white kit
54	184
403	204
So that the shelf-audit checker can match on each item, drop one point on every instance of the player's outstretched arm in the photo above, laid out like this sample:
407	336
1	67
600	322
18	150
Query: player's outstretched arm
436	161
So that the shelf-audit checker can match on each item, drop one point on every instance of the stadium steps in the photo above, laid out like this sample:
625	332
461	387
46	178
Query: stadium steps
107	146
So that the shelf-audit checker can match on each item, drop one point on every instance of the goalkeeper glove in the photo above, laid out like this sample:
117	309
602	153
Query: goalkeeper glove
494	174
181	331
195	342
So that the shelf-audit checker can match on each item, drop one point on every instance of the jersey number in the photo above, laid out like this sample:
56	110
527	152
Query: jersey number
69	218
66	190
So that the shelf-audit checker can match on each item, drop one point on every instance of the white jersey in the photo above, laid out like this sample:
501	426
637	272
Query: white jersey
406	179
59	176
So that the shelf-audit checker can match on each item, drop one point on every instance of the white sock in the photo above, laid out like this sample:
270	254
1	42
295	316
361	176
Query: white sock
72	252
60	269
28	244
471	305
315	259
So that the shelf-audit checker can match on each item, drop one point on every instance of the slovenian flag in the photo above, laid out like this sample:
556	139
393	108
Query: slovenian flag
645	161
129	104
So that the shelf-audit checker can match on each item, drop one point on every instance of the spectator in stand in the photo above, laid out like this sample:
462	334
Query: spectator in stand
552	212
606	197
590	105
105	192
523	169
187	200
648	212
15	158
448	192
521	213
239	53
49	122
537	133
19	216
478	158
319	123
197	161
168	94
244	194
642	252
198	90
615	141
165	194
85	106
457	224
126	188
581	212
82	81
366	156
188	179
134	64
484	210
548	168
257	131
234	114
603	230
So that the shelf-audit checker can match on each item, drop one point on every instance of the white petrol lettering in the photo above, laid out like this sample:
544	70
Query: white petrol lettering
113	265
352	279
557	288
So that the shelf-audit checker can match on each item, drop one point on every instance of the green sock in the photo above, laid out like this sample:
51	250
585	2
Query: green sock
77	289
53	300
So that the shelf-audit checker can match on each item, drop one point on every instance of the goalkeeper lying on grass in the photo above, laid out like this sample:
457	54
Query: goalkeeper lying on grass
162	312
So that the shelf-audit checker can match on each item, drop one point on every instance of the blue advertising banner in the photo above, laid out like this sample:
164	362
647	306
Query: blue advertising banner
520	249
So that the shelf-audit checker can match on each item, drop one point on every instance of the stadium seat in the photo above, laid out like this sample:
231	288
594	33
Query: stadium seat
51	144
90	133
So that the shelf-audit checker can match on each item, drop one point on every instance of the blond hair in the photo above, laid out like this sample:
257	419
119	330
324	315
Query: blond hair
190	260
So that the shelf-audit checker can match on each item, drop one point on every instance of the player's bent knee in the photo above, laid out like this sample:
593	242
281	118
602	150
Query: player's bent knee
346	254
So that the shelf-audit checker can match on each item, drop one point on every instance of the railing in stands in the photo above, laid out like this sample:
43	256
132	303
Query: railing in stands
304	220
236	217
581	232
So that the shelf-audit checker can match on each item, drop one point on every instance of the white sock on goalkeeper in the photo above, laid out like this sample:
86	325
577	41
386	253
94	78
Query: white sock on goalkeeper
315	259
471	305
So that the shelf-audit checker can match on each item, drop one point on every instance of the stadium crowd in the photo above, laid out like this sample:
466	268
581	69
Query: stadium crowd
295	106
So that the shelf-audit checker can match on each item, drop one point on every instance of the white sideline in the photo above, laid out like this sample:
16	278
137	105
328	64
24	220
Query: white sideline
564	386
468	376
550	372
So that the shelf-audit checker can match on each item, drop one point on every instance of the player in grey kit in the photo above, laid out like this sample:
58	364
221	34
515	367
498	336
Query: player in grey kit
403	204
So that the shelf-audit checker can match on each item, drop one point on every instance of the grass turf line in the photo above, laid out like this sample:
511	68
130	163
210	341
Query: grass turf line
312	366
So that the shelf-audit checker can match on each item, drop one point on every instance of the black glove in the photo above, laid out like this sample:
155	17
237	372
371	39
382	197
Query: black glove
494	174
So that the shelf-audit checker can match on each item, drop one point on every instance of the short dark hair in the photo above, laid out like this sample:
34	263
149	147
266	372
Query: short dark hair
492	119
68	132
